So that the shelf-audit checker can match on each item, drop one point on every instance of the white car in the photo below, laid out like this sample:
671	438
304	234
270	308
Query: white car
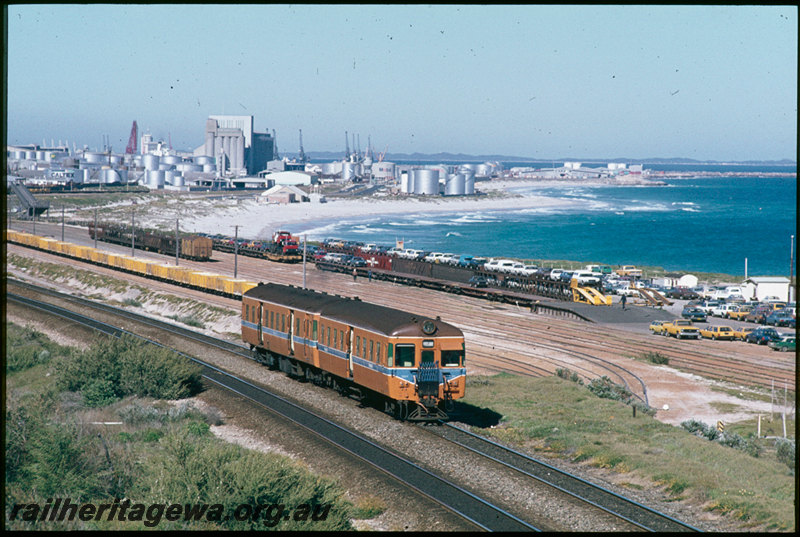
492	264
586	277
450	259
529	270
434	257
505	265
410	253
394	251
555	274
516	268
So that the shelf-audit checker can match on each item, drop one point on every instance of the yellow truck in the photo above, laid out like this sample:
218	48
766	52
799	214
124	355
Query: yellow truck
629	270
680	329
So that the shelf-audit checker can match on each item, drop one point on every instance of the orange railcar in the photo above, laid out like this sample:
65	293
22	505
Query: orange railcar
414	363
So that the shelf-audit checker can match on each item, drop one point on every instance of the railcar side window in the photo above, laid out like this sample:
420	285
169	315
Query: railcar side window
371	351
247	312
405	355
390	355
272	319
451	358
358	345
314	331
378	352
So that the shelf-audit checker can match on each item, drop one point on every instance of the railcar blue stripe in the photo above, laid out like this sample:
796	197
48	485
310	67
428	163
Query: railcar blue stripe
405	373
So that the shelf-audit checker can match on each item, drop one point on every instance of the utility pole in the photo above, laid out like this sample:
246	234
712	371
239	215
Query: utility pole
95	228
236	252
62	223
304	261
133	232
791	268
177	243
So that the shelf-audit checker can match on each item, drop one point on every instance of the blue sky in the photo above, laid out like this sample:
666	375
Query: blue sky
713	82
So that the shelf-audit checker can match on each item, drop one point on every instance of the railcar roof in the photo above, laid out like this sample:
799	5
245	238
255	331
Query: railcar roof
351	311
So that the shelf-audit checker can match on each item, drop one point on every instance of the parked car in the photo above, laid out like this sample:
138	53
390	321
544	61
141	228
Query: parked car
717	332
478	262
785	344
780	318
682	293
693	314
433	257
741	332
627	291
680	328
740	312
759	314
394	251
762	335
356	261
656	327
478	281
530	270
555	274
708	305
565	276
586	277
722	310
466	261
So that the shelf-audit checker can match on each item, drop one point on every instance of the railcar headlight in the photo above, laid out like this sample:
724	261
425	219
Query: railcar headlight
429	327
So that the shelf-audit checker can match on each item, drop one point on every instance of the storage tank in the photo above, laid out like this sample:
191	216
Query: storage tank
426	182
163	166
154	179
188	167
331	168
209	167
80	176
469	182
115	159
169	176
383	170
151	162
178	180
483	170
202	160
455	185
349	171
94	157
41	155
407	182
171	159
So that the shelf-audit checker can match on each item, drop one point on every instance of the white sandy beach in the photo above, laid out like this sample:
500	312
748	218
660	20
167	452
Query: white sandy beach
258	221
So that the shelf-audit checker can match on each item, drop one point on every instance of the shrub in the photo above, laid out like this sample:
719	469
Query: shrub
566	374
655	357
114	368
26	348
786	452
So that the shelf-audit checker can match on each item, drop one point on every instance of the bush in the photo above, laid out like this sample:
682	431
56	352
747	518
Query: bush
566	374
786	452
26	348
655	357
115	368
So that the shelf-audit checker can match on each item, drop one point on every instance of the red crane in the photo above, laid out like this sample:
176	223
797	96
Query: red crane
131	149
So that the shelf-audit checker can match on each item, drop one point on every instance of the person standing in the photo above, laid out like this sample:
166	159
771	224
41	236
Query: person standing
355	274
623	300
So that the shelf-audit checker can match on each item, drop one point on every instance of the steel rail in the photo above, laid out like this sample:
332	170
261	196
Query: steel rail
607	500
456	499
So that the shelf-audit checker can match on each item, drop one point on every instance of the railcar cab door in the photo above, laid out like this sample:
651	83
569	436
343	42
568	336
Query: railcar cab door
350	350
260	321
291	332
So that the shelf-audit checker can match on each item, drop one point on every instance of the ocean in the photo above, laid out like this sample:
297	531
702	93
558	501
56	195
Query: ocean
702	224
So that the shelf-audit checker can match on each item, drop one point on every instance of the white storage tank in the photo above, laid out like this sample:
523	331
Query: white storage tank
349	170
383	170
455	185
407	182
469	182
151	162
426	182
209	167
171	159
154	179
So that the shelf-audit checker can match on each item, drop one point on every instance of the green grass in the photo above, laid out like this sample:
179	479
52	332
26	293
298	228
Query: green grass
554	417
154	452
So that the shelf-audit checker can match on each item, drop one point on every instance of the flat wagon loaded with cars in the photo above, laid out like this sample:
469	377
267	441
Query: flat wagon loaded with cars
282	248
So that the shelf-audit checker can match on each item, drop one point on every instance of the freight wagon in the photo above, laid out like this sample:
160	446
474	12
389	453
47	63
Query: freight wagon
193	247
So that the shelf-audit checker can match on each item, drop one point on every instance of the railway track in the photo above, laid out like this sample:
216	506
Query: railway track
627	510
479	512
578	344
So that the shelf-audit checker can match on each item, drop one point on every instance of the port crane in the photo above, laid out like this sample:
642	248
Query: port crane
302	155
133	140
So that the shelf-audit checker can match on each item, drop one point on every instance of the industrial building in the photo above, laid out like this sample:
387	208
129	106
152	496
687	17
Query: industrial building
236	148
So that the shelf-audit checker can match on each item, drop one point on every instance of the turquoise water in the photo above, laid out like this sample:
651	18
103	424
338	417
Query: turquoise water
701	225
